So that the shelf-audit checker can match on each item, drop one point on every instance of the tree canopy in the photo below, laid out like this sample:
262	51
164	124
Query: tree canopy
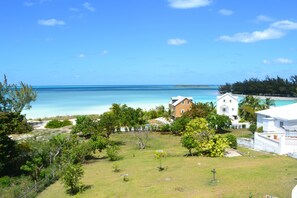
269	86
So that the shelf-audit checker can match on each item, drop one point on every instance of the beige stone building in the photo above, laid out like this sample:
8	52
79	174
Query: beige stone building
179	105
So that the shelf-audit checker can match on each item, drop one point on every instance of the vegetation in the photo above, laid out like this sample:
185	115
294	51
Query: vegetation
199	136
71	176
256	173
57	124
232	140
13	99
269	86
218	122
159	155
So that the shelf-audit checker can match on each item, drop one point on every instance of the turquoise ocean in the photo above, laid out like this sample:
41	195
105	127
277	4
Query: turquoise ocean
76	100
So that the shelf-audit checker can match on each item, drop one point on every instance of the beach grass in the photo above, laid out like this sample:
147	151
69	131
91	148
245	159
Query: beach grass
254	173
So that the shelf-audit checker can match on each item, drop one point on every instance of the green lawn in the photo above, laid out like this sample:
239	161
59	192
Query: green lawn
254	173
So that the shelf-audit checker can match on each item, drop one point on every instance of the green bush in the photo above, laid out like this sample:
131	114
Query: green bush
260	130
5	181
165	128
113	152
57	124
253	128
232	140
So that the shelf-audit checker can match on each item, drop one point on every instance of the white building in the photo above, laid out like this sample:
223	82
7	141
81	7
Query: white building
279	129
227	104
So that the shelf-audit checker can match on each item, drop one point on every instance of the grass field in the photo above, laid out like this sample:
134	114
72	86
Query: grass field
253	173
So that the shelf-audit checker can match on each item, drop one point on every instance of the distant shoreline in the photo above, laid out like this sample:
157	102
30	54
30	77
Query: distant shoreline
271	97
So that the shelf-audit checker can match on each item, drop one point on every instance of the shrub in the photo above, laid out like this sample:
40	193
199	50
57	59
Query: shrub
113	152
253	128
232	140
57	124
159	154
116	168
71	175
165	128
260	130
5	181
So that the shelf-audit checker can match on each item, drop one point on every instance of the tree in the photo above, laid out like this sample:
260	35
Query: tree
15	98
85	125
200	137
159	154
107	123
218	122
196	131
179	125
189	141
200	110
71	176
33	167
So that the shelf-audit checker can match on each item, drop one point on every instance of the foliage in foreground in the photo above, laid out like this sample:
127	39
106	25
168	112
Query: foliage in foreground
198	136
71	176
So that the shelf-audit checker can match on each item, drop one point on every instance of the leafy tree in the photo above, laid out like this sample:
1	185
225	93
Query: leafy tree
33	167
71	176
200	137
200	110
218	122
107	123
15	98
179	125
215	147
85	125
189	141
269	86
159	154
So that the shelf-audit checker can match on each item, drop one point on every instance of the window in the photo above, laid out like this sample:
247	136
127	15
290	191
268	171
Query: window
281	124
188	102
230	100
183	102
224	100
224	109
182	111
232	109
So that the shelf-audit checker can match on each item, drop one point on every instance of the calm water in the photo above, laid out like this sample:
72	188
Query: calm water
73	100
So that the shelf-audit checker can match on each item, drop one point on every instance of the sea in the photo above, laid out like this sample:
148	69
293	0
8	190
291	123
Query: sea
95	99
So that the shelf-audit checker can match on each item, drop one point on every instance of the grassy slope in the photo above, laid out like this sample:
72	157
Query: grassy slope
255	173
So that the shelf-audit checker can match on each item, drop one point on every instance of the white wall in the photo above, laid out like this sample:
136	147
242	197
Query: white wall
228	102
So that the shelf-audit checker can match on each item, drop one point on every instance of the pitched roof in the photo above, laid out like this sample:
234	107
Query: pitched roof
179	99
227	94
287	112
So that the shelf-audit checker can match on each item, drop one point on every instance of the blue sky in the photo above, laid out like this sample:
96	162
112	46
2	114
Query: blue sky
52	42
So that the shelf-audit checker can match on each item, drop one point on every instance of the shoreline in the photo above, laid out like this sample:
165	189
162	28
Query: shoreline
271	97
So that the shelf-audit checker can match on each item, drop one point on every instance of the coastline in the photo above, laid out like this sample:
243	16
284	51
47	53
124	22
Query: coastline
271	97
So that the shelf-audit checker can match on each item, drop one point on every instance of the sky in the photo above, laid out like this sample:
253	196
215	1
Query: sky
146	42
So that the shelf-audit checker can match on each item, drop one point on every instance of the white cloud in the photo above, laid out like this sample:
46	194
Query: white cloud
282	61
176	41
275	31
186	4
81	56
73	9
50	22
246	37
285	25
226	12
89	7
30	3
263	18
